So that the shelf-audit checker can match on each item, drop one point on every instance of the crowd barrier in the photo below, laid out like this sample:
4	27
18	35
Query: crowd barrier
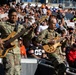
28	66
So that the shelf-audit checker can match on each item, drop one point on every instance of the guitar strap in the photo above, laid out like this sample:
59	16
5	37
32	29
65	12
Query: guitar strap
16	26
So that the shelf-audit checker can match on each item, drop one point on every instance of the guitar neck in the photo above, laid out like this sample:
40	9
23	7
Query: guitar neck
60	39
16	36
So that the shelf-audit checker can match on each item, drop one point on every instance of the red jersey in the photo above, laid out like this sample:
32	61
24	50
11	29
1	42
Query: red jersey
72	56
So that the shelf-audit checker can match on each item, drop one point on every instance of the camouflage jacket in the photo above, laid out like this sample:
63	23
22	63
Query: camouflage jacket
6	28
46	36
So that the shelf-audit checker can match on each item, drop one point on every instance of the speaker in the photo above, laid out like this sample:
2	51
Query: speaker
44	69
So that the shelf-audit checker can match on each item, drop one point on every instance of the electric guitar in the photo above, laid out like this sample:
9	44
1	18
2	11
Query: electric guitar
52	48
8	43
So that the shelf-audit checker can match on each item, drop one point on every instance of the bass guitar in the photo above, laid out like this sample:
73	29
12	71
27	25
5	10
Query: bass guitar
52	48
8	43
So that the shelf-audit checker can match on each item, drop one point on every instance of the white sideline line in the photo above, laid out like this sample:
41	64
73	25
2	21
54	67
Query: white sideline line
25	60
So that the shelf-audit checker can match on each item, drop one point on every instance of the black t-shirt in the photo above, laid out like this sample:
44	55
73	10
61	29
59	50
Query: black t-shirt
37	50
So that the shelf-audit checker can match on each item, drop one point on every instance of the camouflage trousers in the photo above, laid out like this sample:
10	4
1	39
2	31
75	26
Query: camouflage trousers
58	62
12	65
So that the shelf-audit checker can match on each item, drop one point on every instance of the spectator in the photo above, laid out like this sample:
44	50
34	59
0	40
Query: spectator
22	48
43	26
71	56
26	22
36	50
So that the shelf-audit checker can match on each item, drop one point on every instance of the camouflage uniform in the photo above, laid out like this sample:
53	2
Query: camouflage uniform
12	60
45	37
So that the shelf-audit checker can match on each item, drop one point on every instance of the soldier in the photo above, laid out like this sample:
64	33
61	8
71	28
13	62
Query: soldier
46	37
12	59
